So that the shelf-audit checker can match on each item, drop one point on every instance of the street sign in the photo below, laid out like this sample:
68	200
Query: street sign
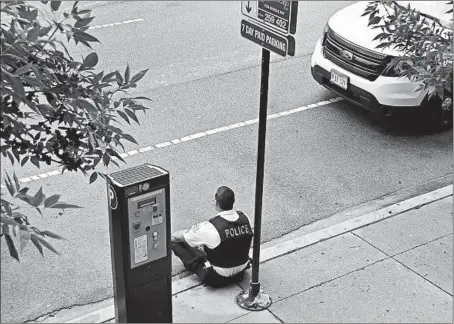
272	41
278	15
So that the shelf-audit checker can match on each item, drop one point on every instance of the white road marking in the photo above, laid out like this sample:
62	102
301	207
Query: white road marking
198	135
133	152
116	23
161	145
146	149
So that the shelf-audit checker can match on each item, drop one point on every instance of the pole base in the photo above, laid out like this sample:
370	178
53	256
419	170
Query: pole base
247	301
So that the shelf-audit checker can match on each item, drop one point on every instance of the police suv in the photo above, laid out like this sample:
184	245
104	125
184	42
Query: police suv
347	62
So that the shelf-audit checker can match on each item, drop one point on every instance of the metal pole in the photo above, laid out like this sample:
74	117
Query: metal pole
254	299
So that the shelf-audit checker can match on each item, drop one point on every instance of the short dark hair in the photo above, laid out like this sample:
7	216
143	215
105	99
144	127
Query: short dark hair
225	197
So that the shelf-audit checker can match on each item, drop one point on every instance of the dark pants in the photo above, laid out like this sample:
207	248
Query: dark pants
194	261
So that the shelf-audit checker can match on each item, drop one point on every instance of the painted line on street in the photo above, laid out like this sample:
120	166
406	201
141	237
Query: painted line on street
178	286
117	23
192	137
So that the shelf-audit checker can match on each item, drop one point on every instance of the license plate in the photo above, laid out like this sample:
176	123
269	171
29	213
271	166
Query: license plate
339	79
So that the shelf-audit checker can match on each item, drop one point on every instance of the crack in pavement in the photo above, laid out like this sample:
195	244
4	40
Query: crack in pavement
52	313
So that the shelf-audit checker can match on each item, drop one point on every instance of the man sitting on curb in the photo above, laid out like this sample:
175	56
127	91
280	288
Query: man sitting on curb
226	240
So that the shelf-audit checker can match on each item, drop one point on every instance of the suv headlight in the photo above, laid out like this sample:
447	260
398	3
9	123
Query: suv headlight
399	69
402	67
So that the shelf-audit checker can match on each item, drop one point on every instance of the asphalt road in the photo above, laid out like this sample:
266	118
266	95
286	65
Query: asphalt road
203	75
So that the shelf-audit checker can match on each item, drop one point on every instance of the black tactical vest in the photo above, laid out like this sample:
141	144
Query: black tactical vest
235	243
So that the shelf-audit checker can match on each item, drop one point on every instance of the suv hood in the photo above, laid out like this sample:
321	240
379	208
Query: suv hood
349	24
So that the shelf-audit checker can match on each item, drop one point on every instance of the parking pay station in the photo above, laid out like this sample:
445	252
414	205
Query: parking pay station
139	219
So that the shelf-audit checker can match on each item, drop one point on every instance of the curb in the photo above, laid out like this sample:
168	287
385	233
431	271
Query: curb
270	253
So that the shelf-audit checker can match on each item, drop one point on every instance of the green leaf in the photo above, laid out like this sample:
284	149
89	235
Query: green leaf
24	191
124	116
23	69
35	161
374	21
84	37
83	22
132	115
36	243
9	185
142	98
91	60
52	200
8	221
381	36
16	84
24	160
129	138
53	235
38	198
63	206
24	197
109	77
55	5
11	157
34	82
119	78
16	180
93	177
29	15
45	243
44	109
106	159
33	34
11	247
24	238
88	106
127	74
138	76
97	77
45	30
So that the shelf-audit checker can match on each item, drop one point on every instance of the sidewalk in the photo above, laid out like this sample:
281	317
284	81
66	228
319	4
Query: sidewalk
392	265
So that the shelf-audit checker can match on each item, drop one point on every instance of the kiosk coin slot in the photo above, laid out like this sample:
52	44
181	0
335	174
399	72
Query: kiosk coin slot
139	219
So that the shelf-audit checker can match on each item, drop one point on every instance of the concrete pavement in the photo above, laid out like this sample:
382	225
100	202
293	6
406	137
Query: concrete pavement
391	265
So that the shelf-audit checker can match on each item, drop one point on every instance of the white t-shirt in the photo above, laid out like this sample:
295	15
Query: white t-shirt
205	233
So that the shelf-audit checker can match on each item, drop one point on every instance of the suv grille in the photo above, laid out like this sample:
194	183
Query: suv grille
365	63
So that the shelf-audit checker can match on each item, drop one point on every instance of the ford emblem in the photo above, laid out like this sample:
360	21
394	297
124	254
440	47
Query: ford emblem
346	55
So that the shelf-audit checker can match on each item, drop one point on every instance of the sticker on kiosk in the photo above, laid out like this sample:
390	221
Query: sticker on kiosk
140	249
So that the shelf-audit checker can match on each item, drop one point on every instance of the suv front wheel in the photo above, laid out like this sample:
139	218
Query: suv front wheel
438	113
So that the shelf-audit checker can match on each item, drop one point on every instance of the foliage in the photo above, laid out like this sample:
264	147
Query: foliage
424	42
54	108
15	222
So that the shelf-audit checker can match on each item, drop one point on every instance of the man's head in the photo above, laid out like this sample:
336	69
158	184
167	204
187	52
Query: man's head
225	198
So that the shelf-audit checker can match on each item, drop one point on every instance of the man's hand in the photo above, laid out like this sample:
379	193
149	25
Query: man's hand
178	236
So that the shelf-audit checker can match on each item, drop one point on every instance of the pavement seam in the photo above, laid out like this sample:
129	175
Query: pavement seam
404	265
275	316
268	310
195	136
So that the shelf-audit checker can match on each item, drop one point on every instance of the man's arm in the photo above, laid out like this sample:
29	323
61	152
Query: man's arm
178	236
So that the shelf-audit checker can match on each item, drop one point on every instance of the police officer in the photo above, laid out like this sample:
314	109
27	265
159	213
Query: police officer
217	250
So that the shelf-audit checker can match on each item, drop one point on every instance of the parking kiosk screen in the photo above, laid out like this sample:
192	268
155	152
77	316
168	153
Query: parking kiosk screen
147	228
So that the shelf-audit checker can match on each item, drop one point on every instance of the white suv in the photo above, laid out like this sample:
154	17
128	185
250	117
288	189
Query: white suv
347	62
